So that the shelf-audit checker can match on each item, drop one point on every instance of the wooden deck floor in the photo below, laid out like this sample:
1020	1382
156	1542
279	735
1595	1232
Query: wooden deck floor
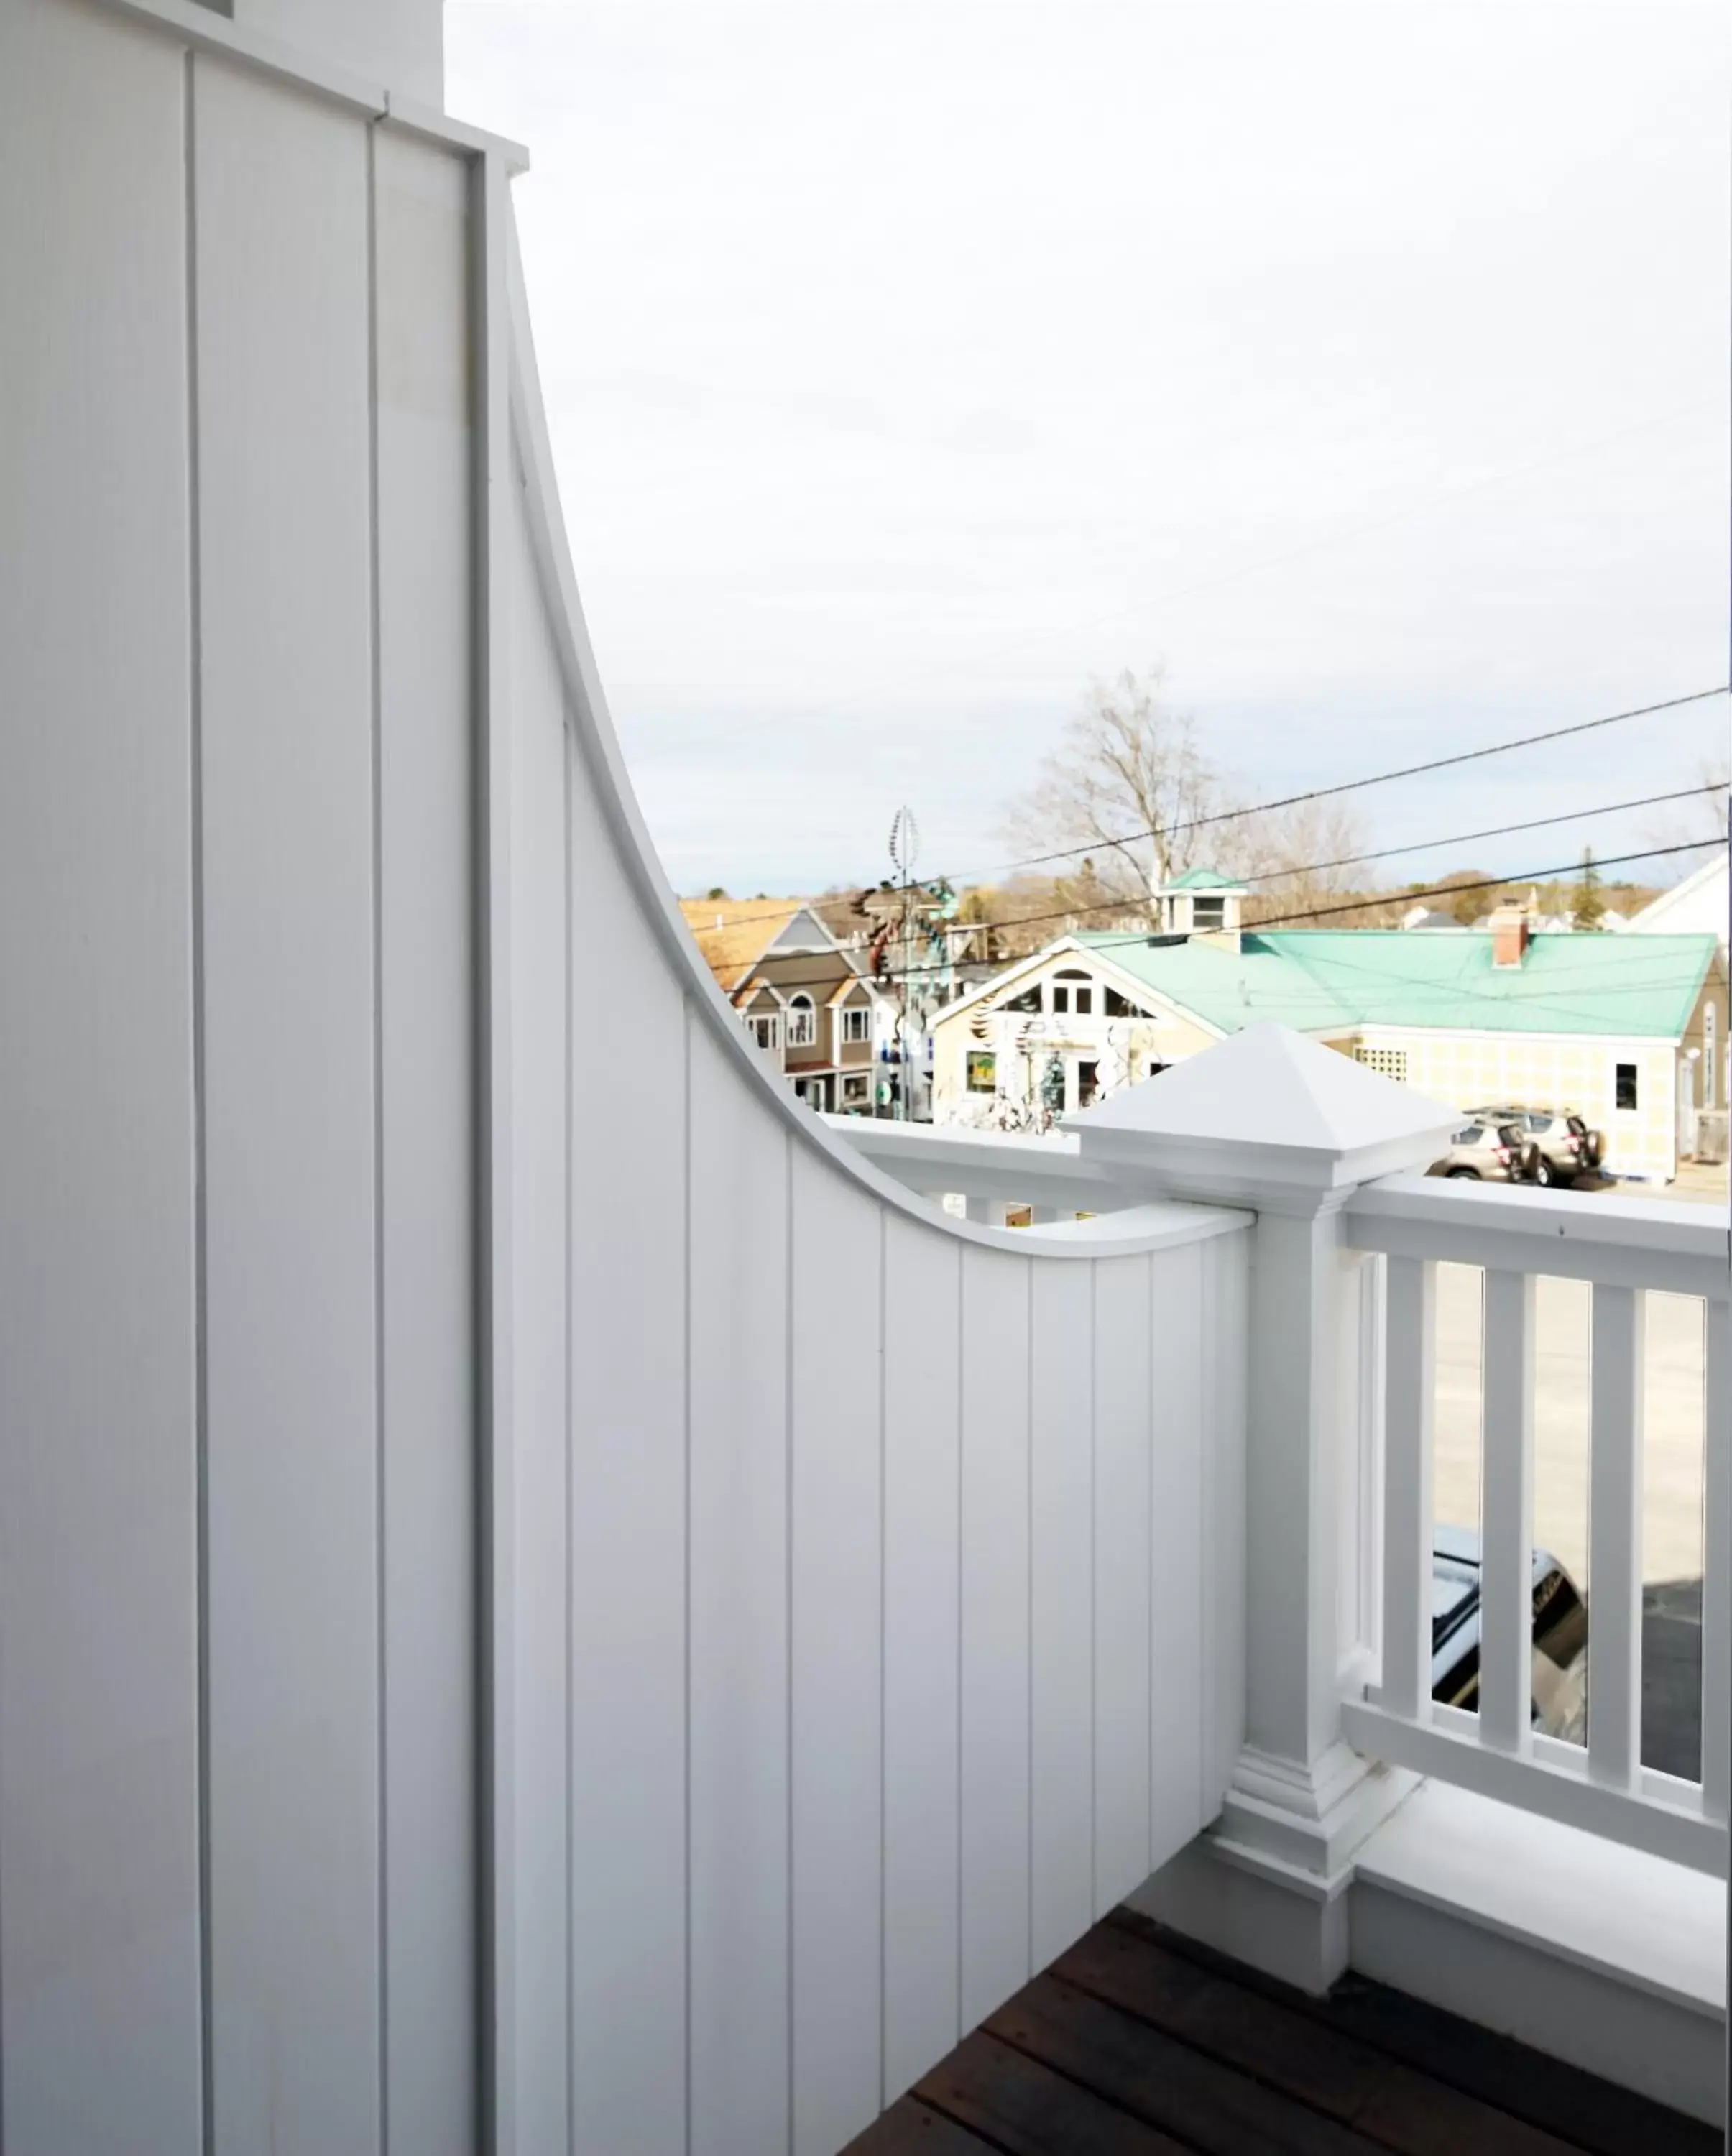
1138	2044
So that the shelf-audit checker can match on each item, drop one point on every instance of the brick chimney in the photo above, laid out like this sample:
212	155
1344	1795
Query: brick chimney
1510	932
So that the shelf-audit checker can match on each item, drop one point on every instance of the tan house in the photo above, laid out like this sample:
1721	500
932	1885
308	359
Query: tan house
805	998
1623	1031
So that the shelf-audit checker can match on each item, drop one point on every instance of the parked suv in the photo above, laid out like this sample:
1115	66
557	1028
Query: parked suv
1561	1635
1566	1146
1485	1151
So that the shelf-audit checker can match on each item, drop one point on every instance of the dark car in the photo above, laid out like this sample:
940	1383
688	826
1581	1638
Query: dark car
1561	1635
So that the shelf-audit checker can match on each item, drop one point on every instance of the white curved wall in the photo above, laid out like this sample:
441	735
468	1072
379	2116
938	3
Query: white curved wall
541	1604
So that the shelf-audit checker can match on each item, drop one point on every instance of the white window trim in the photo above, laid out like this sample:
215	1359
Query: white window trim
848	1014
772	1019
801	1006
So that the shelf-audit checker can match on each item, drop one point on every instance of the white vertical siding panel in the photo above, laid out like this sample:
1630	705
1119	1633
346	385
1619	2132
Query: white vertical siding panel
1123	1557
629	1498
1062	1690
280	204
1717	1562
837	1402
739	1612
540	1306
994	1630
921	1650
1176	1572
1227	1319
98	1871
427	1045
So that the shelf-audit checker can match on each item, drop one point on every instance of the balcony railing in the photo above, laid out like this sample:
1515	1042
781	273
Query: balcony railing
1626	1249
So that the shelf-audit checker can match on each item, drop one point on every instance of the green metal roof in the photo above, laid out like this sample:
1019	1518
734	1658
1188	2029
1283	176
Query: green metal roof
1203	880
1317	980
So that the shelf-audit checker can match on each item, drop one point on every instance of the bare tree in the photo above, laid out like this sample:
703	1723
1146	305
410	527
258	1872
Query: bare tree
1127	786
1300	857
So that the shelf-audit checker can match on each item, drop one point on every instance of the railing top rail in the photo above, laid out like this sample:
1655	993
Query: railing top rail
1645	1243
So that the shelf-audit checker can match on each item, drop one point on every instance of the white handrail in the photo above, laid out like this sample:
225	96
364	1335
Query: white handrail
1622	1242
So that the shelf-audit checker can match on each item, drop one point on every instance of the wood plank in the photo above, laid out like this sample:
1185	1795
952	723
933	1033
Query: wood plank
1412	1332
995	1528
739	1611
1614	1583
427	1022
1284	2045
922	1487
1024	2108
1176	1570
1506	1653
1122	1514
630	1615
99	2036
837	1649
913	2128
1208	2105
1061	1689
1338	2052
280	203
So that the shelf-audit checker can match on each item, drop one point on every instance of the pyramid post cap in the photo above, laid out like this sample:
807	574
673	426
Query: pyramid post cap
1266	1110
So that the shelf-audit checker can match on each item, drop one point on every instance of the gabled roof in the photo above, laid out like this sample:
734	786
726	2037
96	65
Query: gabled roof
1684	896
733	933
847	988
1318	980
1202	878
1335	981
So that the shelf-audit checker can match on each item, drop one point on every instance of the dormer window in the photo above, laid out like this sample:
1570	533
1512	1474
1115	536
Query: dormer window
802	1021
856	1024
1073	993
766	1028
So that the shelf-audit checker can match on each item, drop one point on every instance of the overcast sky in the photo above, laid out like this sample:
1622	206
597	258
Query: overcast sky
908	366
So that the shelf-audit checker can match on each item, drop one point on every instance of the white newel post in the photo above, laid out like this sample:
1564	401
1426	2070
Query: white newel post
1276	1121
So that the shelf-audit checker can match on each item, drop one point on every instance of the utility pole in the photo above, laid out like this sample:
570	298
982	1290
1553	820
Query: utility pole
904	851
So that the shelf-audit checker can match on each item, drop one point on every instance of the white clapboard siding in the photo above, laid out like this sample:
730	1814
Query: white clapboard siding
544	1603
540	1340
1062	1393
995	1544
836	1521
98	1793
922	1641
739	1633
1124	1554
427	1018
283	453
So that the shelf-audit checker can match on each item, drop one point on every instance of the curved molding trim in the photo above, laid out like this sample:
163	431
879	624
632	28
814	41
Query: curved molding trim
1151	1228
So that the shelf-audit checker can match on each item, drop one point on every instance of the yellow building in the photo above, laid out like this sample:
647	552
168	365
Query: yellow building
1627	1032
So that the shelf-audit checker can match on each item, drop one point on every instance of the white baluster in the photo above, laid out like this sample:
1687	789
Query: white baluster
1506	1574
1615	1540
1412	1364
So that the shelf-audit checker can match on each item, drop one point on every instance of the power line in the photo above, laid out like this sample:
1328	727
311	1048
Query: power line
1381	778
1107	940
1497	831
1287	801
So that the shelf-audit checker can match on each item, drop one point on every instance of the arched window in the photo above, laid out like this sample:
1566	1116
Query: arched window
802	1021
